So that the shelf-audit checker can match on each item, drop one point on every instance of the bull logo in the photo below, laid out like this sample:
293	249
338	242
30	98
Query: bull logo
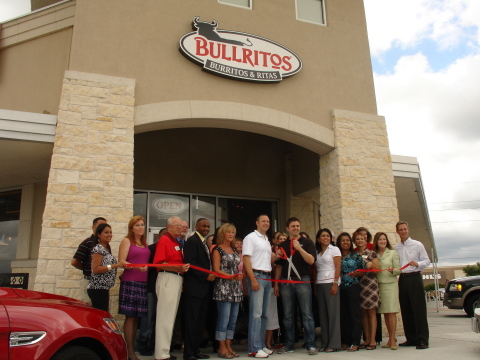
209	32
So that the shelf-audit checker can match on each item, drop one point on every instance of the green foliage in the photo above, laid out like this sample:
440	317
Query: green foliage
471	270
431	287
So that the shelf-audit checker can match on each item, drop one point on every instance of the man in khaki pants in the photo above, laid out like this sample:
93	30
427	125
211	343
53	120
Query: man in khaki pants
168	286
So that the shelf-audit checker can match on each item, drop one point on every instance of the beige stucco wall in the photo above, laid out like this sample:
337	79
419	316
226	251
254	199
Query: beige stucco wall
139	39
31	73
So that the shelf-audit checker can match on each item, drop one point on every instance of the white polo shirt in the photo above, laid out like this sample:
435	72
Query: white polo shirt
258	248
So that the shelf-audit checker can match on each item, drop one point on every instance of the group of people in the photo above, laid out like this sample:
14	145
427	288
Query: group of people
354	280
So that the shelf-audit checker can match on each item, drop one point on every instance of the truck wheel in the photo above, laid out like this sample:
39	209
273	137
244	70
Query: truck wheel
471	303
75	353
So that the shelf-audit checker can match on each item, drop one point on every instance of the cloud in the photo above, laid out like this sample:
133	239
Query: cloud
434	114
407	23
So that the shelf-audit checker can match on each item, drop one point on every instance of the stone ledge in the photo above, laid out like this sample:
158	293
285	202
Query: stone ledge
112	80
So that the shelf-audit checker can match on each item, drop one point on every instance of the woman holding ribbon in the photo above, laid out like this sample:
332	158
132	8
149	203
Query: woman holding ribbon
369	293
350	312
388	283
104	268
133	282
328	266
226	291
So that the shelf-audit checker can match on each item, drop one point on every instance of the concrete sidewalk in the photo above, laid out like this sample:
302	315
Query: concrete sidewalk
451	338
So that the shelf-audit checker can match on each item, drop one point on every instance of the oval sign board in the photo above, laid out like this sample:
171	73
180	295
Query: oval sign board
237	55
169	205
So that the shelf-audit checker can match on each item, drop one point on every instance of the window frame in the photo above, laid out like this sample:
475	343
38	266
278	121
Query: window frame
225	2
312	22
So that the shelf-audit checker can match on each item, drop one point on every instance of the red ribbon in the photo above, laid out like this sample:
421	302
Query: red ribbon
232	276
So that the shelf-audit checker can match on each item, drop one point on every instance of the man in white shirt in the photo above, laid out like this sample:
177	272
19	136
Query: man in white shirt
411	291
257	264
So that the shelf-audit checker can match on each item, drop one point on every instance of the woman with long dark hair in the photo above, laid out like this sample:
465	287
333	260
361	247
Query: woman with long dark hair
133	301
328	265
104	268
350	313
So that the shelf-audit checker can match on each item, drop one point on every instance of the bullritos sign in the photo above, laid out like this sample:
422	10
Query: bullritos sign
237	55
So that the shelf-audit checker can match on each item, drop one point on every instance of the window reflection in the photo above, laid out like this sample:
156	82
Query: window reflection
9	222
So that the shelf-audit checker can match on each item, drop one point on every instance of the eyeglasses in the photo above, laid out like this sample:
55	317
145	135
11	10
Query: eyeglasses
177	225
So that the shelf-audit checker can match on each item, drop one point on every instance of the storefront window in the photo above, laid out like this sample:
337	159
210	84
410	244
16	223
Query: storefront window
9	222
203	207
312	11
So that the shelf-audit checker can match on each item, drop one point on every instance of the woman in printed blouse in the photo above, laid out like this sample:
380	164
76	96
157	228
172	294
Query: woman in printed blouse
104	268
227	292
328	266
369	293
388	283
133	282
350	313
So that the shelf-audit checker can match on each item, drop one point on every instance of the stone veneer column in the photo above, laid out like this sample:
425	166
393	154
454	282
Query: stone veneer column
91	174
356	178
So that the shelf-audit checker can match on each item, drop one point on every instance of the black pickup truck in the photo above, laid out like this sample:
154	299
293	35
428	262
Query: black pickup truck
463	293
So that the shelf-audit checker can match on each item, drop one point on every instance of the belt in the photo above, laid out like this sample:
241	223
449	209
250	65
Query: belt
410	274
267	273
172	272
87	277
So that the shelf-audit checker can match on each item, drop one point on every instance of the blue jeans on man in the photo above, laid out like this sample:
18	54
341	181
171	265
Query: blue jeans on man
258	312
303	293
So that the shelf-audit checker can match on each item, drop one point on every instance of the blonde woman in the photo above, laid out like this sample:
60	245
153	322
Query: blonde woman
388	283
227	292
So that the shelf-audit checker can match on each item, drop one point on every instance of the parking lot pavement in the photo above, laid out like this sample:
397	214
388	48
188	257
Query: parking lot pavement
451	338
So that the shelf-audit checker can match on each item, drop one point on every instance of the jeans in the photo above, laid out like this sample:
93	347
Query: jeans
227	318
303	293
258	312
147	325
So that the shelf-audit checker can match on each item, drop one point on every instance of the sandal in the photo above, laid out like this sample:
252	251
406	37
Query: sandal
370	347
344	347
363	346
225	356
234	354
330	350
353	348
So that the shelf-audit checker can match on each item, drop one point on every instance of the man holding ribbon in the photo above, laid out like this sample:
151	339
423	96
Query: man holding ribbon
297	254
257	265
410	285
168	286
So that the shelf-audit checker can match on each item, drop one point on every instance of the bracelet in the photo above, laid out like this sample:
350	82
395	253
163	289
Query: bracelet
109	267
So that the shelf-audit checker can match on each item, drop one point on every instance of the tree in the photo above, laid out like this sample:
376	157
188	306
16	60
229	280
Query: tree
471	270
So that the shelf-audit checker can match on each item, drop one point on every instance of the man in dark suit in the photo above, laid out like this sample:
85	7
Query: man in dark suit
196	290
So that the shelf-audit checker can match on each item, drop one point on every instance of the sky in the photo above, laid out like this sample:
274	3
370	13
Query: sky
426	63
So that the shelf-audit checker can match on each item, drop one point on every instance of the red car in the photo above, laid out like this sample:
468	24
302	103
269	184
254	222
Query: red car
41	326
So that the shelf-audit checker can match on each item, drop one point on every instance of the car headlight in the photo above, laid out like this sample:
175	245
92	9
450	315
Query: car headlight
455	287
112	324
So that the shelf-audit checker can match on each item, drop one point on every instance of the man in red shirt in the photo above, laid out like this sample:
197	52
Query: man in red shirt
168	286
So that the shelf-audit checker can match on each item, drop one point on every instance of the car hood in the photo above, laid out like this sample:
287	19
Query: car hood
467	279
19	294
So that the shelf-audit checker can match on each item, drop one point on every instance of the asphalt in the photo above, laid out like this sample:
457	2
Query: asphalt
451	337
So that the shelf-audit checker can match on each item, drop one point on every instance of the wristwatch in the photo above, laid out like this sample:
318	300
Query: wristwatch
109	267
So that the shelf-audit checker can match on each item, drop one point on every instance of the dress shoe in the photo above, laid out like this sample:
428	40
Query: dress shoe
189	358
202	356
422	346
407	343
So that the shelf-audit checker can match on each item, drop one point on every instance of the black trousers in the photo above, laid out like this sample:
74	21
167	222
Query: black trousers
195	315
100	298
414	308
350	315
